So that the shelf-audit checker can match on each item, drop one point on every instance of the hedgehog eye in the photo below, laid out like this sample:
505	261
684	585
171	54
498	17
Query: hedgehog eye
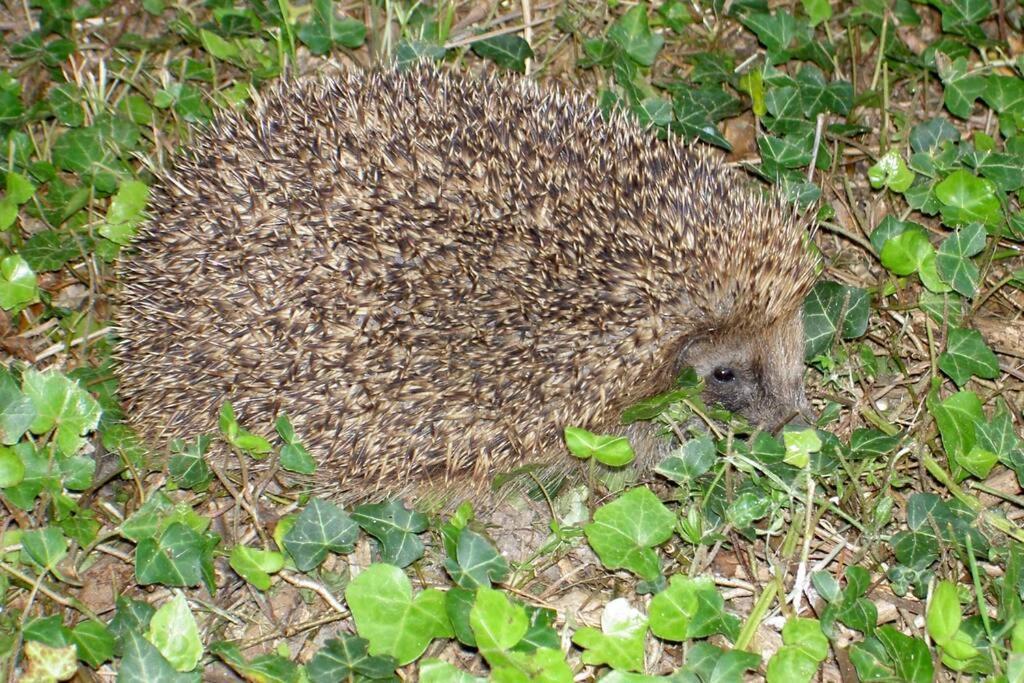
724	374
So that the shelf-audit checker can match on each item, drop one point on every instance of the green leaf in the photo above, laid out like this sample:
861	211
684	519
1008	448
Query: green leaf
396	528
967	198
17	412
94	641
175	560
953	261
799	446
632	34
830	310
508	51
817	10
294	456
12	470
497	623
944	614
347	658
891	171
694	459
387	615
967	355
624	531
143	662
956	418
47	663
219	47
268	668
959	89
125	212
320	528
804	649
620	642
476	563
690	608
62	405
714	665
905	253
437	671
614	451
174	632
256	566
326	31
17	282
46	547
240	438
187	466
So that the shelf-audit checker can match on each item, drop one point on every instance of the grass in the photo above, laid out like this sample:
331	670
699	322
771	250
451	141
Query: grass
883	545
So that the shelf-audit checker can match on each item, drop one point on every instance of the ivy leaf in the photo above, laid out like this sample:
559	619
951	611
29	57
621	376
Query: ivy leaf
805	647
46	547
396	528
17	412
953	261
905	253
966	198
632	33
174	560
174	632
967	355
891	171
47	663
320	528
143	662
477	563
125	212
17	282
94	641
614	451
830	310
508	51
347	658
689	609
326	31
256	566
294	456
390	618
624	532
620	642
241	438
63	405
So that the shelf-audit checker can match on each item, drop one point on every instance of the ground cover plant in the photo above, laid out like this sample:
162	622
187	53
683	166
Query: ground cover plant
882	544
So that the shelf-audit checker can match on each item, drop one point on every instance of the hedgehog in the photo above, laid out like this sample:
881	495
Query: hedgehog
433	275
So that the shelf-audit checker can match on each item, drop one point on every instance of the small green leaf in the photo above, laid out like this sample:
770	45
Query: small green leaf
125	212
633	35
396	528
61	404
256	566
967	355
12	470
238	437
390	618
17	282
320	528
891	171
142	662
46	546
953	262
690	608
800	445
944	614
967	198
174	632
94	641
614	451
294	456
476	563
624	532
507	50
905	253
347	658
620	642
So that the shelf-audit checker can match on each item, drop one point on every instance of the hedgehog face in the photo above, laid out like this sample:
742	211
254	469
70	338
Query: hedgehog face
758	374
